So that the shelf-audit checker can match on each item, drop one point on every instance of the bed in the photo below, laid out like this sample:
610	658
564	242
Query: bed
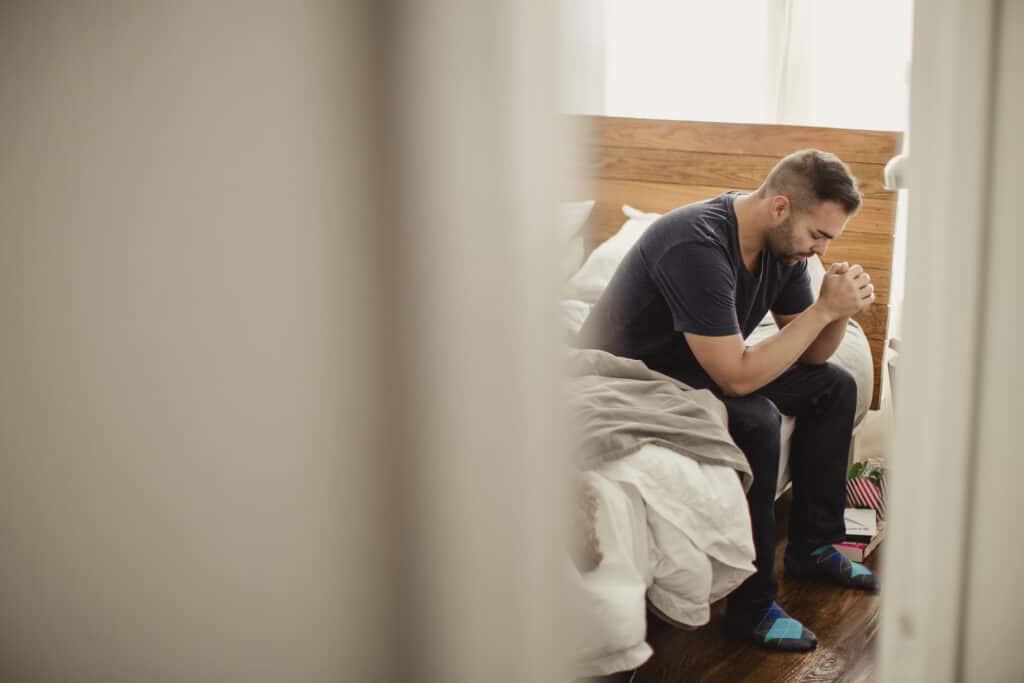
675	534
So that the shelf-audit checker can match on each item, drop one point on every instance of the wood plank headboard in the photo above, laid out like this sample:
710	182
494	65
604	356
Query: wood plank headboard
657	165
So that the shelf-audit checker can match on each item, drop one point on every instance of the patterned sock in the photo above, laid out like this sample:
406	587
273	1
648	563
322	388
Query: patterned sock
827	562
772	628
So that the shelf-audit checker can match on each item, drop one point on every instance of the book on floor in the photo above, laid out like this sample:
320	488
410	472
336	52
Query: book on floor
863	533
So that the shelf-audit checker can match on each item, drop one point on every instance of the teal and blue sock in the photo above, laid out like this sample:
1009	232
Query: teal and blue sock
827	562
772	628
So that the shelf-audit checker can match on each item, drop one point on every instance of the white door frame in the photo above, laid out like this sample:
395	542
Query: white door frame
947	471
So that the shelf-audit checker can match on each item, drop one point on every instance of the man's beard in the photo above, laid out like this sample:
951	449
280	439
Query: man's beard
780	241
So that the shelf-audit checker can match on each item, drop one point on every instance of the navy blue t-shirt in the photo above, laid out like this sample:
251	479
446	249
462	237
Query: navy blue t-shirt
686	274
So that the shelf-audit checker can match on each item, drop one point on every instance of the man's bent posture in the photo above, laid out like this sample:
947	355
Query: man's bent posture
683	300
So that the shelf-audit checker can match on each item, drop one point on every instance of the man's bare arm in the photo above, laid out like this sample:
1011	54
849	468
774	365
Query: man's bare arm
822	348
740	370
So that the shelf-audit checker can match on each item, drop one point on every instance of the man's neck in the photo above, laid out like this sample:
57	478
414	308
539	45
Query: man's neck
751	227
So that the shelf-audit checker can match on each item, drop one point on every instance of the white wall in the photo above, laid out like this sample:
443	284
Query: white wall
582	46
688	60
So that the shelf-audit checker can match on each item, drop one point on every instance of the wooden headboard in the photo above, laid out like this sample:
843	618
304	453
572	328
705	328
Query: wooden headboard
657	165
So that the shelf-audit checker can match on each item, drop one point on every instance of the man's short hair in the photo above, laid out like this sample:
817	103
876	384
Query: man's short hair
809	177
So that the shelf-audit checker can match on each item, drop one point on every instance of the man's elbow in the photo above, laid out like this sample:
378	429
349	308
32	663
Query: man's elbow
736	388
733	381
814	358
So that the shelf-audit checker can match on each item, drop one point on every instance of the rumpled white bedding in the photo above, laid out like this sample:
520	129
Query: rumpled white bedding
670	528
609	601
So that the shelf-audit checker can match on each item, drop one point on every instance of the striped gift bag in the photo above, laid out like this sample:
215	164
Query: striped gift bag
865	487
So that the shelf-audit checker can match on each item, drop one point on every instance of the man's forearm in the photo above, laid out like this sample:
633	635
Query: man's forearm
766	361
822	348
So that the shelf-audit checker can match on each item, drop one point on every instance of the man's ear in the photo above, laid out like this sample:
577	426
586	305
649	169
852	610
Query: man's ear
779	207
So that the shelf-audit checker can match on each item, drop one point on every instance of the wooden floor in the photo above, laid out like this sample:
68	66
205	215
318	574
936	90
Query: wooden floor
844	619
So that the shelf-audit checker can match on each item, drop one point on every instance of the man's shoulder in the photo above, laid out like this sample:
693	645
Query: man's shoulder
702	226
708	220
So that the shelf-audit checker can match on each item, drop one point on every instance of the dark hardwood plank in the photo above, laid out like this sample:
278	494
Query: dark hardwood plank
620	677
845	621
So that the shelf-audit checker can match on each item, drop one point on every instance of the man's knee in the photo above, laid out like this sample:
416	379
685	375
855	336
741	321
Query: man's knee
842	387
763	420
755	416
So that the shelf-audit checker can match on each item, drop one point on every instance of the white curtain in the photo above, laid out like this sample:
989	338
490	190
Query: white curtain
799	62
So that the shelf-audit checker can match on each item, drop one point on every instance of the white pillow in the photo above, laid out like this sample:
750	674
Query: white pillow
572	216
588	283
816	271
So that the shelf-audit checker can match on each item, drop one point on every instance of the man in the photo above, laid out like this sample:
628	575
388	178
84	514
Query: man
683	300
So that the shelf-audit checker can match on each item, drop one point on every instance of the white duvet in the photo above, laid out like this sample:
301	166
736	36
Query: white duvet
672	530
